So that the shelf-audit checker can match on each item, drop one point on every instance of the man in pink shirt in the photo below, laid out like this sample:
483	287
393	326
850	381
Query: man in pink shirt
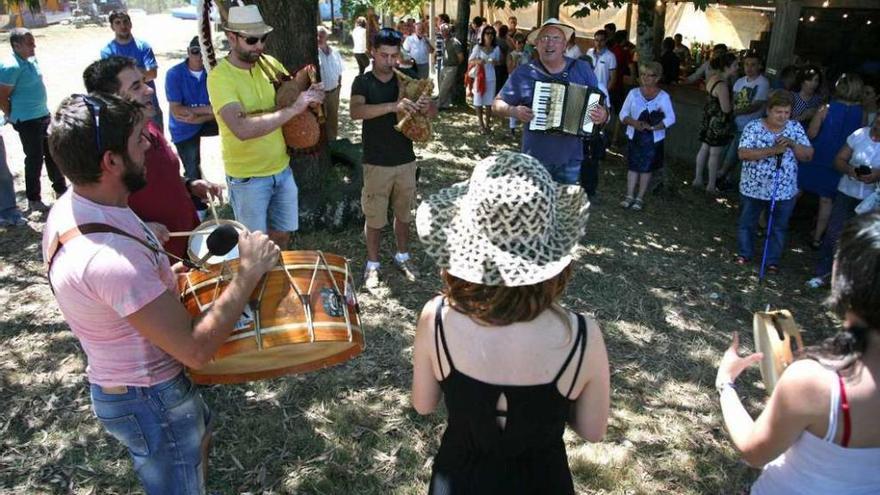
117	291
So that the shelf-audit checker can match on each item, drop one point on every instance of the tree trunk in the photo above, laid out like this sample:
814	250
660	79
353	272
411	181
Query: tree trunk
659	28
645	31
551	9
462	23
328	194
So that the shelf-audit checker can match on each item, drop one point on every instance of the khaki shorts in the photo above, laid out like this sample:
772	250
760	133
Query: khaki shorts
383	185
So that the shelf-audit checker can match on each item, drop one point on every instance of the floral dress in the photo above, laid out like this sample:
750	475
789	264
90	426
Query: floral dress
717	126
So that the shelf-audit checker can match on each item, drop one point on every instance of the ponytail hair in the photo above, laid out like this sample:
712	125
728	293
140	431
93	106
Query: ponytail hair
855	290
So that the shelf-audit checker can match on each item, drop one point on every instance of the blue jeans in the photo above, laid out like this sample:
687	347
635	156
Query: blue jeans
265	203
566	173
190	150
9	212
163	427
842	210
750	210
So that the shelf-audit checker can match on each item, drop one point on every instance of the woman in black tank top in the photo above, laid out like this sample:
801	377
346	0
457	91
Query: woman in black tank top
511	364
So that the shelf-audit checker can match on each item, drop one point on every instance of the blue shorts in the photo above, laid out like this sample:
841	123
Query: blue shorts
163	427
265	203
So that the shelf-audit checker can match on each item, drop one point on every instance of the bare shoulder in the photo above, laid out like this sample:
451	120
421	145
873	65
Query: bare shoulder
806	383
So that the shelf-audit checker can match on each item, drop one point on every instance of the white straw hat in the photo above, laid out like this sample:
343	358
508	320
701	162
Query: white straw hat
511	224
567	30
246	20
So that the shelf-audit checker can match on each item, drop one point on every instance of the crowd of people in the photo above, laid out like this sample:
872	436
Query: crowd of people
503	240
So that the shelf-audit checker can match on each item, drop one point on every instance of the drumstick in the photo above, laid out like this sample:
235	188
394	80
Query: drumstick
189	233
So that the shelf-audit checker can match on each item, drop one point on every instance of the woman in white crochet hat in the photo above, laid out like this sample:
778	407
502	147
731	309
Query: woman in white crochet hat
514	366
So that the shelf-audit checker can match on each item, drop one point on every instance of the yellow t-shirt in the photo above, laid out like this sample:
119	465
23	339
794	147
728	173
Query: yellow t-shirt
257	157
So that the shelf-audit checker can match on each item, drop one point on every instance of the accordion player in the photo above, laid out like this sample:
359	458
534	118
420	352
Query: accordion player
564	107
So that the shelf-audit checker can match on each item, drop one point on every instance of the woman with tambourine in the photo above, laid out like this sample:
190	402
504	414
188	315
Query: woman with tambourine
818	433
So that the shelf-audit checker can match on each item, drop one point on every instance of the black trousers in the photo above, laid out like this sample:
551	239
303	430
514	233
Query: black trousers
35	143
363	61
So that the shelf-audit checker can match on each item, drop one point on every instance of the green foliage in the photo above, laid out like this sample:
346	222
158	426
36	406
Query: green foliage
33	5
584	7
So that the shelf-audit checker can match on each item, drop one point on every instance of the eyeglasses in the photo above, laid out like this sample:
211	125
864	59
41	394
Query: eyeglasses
194	50
648	74
94	105
253	40
551	39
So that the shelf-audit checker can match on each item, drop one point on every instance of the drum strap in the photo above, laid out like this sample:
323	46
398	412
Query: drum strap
86	229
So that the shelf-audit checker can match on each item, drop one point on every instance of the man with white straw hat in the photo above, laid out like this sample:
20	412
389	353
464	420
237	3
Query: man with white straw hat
560	153
262	190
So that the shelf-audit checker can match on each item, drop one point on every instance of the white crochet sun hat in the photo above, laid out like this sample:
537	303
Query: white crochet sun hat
567	30
511	224
246	20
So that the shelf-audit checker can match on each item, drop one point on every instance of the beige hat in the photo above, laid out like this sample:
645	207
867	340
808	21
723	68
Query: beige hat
567	30
246	20
511	224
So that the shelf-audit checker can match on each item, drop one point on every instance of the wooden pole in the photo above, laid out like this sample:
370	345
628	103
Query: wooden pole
629	15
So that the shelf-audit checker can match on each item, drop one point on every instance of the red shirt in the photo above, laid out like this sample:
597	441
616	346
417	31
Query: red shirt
165	199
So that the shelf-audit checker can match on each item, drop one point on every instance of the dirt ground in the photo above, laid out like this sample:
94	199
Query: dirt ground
660	282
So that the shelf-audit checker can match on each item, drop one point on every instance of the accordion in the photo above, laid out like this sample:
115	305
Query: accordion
565	108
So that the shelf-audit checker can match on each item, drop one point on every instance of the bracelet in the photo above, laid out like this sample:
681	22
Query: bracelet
721	387
187	183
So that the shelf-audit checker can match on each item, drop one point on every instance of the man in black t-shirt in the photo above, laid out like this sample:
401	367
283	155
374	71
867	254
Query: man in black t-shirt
388	158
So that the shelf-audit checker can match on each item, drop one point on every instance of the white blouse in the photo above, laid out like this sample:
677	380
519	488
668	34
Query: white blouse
635	103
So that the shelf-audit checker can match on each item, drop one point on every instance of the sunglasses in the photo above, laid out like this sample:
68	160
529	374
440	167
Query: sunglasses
252	40
194	50
94	106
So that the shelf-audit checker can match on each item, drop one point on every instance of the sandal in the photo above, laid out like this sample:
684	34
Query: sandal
772	269
627	202
637	205
741	260
816	244
816	283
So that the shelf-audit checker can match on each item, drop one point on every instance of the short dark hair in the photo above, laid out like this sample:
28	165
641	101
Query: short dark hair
503	30
73	142
387	37
668	43
805	74
678	37
18	35
478	21
755	55
610	27
118	14
445	18
103	75
601	33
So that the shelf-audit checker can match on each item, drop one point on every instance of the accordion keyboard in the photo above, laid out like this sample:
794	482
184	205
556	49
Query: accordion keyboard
547	106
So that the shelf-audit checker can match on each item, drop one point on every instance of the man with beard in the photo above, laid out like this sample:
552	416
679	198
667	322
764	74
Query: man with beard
117	291
124	44
165	201
262	190
560	153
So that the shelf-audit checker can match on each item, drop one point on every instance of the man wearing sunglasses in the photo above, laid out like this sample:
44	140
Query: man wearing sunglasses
262	190
164	201
126	45
186	87
118	293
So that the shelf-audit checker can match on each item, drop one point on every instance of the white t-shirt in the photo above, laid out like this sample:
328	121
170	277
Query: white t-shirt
603	64
746	92
359	38
865	152
574	51
99	280
418	48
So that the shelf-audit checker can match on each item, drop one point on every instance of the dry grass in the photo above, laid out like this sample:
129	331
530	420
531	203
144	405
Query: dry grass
660	283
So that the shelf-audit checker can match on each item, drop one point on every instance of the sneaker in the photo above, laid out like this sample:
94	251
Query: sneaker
371	278
406	267
816	283
37	206
638	205
627	202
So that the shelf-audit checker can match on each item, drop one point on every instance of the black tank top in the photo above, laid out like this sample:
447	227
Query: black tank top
527	456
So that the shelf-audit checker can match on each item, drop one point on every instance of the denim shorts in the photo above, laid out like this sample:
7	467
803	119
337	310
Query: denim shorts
266	203
163	427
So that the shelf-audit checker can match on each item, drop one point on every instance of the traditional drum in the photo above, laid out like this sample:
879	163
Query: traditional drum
197	246
302	316
775	332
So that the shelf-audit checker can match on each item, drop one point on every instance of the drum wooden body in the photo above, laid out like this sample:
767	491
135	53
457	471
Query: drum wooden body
302	316
775	332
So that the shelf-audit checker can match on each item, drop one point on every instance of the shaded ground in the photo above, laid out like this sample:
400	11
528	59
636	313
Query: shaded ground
660	282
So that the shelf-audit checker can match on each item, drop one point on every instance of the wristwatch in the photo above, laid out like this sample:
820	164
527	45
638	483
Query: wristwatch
721	387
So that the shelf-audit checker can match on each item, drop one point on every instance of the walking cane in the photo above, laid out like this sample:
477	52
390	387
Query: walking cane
770	216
